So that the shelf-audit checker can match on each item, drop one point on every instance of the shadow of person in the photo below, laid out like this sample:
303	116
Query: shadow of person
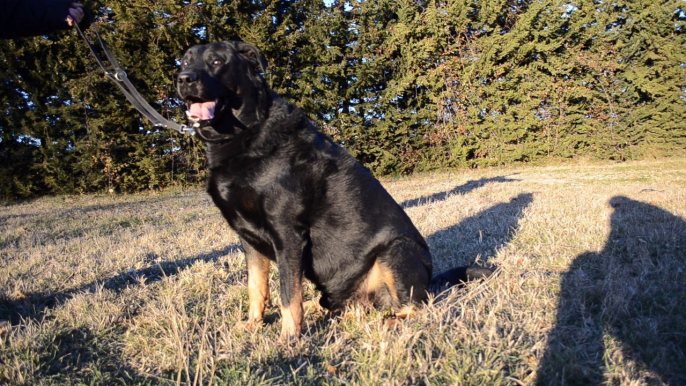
624	304
461	189
478	237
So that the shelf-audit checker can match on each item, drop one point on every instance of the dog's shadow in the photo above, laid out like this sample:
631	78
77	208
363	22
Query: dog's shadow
633	291
460	189
478	238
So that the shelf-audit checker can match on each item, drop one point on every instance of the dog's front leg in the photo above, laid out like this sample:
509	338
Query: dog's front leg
258	284
289	261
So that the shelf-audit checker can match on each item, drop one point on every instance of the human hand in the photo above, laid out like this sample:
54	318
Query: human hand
75	14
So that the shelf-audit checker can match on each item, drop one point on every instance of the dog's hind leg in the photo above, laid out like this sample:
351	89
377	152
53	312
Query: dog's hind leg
400	277
406	274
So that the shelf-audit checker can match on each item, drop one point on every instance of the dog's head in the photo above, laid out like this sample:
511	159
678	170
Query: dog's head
223	89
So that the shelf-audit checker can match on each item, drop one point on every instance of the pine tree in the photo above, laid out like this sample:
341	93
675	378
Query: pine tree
404	85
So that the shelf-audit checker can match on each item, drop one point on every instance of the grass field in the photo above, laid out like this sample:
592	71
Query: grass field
151	289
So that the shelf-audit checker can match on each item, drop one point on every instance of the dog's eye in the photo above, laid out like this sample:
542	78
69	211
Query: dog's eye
217	62
184	63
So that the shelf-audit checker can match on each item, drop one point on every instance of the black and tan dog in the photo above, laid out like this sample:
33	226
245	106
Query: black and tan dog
296	198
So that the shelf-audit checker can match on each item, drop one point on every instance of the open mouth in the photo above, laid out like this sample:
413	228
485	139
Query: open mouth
199	110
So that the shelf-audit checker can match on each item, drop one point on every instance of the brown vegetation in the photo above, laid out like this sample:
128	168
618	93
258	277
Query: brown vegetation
150	288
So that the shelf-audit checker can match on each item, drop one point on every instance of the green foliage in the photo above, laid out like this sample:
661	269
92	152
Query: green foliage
404	85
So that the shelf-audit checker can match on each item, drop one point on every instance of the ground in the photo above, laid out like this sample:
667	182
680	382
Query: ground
151	289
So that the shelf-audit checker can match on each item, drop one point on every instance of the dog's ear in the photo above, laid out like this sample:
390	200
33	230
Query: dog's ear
252	53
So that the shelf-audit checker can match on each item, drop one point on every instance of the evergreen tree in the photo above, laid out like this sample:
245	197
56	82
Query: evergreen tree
404	85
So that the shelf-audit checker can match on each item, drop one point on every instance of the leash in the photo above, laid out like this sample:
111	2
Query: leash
120	78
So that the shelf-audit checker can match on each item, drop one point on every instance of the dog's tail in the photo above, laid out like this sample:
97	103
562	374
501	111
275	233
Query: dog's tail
460	275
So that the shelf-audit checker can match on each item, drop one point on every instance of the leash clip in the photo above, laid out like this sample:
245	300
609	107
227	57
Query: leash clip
120	75
189	130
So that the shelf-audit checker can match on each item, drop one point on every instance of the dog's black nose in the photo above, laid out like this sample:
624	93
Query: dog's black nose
187	77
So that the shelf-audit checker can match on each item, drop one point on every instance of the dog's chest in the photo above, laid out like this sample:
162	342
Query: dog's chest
236	201
243	207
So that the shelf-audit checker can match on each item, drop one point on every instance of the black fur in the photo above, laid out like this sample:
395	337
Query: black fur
297	198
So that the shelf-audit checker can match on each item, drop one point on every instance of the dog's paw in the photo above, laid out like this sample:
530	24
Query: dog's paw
394	320
249	326
288	340
391	323
289	335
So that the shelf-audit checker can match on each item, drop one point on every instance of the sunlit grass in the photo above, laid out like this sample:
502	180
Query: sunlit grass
151	288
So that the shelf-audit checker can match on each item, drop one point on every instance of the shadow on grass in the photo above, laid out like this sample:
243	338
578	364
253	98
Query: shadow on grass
478	237
461	189
281	368
77	356
633	290
33	306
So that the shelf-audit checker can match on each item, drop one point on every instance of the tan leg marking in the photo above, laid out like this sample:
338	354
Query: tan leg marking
378	277
373	281
292	313
292	318
389	280
258	287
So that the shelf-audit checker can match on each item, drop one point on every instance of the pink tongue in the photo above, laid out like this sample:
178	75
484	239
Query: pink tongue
202	111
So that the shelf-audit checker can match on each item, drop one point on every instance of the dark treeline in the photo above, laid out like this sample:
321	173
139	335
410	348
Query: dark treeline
405	85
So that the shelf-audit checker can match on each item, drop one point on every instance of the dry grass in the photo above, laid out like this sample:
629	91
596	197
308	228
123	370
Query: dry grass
149	289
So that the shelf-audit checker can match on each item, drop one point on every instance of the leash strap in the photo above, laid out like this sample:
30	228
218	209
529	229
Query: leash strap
122	81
